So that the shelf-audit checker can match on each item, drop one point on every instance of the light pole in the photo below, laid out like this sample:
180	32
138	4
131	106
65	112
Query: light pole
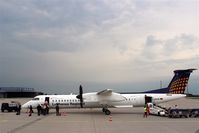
160	84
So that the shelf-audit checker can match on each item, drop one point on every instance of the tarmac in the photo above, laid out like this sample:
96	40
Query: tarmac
122	120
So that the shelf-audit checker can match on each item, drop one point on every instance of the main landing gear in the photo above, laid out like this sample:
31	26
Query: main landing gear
106	111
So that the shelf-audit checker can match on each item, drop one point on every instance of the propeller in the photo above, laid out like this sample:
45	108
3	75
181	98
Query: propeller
80	96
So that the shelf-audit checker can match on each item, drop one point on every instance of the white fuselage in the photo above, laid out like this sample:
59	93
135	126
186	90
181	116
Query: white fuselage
92	101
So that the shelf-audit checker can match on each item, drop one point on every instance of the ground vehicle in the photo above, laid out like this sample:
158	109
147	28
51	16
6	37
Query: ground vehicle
178	113
194	113
156	110
9	107
172	113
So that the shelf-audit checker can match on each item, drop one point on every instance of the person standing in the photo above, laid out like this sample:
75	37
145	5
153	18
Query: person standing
57	110
38	109
145	112
148	109
44	109
18	109
47	109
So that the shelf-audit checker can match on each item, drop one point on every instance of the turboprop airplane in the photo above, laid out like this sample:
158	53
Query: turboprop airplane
108	99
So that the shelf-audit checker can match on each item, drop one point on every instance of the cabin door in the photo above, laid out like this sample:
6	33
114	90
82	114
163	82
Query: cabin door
148	99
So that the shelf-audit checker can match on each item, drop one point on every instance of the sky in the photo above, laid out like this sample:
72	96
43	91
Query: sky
129	45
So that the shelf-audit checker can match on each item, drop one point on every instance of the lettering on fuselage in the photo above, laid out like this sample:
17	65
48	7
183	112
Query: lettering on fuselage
157	99
66	104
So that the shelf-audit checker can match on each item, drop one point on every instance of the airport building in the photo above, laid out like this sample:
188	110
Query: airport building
10	92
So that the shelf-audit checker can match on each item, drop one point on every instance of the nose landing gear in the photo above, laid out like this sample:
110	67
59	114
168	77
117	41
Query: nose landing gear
106	111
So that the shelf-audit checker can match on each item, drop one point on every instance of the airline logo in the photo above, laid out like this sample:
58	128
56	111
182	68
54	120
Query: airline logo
178	86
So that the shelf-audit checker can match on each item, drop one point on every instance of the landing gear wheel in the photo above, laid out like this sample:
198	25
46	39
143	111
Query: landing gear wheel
103	109
107	112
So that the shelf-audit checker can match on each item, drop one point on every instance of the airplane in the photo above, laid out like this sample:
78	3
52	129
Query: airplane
108	99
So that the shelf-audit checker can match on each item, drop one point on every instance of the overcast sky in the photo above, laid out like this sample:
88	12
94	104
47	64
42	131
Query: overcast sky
128	45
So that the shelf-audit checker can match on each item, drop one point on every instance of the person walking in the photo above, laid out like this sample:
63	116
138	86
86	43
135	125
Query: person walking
30	111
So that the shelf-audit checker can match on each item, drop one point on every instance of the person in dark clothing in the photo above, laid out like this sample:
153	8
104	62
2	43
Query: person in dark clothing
18	109
47	109
30	111
38	110
57	110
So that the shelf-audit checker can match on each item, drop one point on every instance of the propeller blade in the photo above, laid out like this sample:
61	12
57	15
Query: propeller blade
80	90
80	96
81	103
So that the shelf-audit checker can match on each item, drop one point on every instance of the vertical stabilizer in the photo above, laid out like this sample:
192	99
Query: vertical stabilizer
179	82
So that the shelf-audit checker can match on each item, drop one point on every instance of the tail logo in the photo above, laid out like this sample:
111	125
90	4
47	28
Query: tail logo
178	86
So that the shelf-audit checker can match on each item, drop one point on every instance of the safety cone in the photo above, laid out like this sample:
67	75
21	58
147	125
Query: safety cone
110	118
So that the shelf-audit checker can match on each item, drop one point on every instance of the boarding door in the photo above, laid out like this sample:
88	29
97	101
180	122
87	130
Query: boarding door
148	99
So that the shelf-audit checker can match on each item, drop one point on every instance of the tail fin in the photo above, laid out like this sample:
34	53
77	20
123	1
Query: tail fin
177	85
179	82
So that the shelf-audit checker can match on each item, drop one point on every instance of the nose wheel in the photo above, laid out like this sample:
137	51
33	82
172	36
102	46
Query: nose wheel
106	111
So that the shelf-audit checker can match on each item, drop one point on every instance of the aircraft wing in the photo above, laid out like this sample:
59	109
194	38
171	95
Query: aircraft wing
106	92
108	96
104	97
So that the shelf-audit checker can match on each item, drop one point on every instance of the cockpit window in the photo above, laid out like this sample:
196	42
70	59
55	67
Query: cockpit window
35	99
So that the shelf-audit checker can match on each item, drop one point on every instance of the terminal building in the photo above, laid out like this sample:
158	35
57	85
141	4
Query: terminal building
14	92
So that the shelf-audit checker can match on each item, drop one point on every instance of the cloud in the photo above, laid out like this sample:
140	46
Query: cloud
58	42
179	47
